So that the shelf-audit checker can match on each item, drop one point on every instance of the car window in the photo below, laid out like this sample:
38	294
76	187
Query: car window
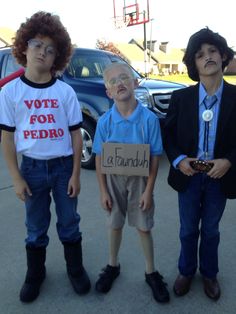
9	65
86	66
92	66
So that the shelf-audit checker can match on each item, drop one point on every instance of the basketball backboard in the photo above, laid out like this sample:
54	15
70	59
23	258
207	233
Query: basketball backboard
130	12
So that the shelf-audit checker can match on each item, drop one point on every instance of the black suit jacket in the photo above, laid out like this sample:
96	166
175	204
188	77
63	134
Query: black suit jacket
181	128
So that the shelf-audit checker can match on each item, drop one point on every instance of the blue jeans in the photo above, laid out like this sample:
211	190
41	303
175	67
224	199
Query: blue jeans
46	178
201	207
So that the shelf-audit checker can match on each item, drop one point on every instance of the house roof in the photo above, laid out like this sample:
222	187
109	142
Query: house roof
173	55
138	42
130	51
231	68
6	35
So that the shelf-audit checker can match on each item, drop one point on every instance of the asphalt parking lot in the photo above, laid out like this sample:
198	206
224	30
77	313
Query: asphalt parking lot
130	293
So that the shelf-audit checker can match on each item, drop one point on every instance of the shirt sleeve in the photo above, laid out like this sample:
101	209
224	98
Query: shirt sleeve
178	160
7	111
99	138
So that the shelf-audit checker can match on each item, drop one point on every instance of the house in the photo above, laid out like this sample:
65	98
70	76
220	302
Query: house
134	55
231	68
159	59
170	59
6	35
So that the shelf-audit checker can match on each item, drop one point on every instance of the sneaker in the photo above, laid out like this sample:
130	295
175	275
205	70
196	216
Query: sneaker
158	286
106	278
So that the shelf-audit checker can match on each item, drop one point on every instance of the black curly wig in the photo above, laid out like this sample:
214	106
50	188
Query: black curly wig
205	36
43	24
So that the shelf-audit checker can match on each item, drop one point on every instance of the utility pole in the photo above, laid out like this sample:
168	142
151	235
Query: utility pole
145	44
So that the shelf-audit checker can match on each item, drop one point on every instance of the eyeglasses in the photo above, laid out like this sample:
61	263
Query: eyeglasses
36	44
123	78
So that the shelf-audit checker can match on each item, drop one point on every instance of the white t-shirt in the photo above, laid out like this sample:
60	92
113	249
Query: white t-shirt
41	115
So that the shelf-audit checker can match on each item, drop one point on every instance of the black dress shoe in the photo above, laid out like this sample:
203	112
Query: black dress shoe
158	286
211	288
182	285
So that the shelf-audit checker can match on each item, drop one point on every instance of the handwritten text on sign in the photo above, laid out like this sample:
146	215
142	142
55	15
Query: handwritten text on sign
125	159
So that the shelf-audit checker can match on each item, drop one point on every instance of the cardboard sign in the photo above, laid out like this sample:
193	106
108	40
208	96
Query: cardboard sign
125	159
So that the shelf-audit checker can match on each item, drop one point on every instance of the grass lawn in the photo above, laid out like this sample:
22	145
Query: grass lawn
183	78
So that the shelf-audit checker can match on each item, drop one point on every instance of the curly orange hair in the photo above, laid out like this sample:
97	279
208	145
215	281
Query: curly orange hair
43	24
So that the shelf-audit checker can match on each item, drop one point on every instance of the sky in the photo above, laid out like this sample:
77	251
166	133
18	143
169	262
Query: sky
88	20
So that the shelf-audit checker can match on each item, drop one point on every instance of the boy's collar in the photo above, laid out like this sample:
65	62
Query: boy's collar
38	85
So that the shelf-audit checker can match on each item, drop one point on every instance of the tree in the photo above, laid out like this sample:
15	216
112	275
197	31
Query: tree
108	46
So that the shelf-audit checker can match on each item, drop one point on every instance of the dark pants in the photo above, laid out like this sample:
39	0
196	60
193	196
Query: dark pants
46	178
200	208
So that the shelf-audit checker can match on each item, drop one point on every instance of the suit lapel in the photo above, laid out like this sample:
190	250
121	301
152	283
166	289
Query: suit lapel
193	112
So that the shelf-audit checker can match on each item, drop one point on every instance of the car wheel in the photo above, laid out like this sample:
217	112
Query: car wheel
88	158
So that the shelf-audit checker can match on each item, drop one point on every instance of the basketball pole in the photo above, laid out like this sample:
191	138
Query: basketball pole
145	14
114	8
145	39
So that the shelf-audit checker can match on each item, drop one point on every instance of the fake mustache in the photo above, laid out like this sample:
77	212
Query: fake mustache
210	62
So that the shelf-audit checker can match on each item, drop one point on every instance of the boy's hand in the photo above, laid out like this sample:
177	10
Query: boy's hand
106	201
73	187
221	166
22	189
145	202
185	167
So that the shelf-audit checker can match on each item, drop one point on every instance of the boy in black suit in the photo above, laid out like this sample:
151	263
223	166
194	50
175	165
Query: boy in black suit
200	141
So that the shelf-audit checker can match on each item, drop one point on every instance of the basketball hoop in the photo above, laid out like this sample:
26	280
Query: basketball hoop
119	21
130	13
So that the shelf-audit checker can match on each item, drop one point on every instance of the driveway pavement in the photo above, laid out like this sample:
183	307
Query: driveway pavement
130	293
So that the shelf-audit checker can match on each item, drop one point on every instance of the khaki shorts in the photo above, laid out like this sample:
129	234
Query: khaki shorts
125	192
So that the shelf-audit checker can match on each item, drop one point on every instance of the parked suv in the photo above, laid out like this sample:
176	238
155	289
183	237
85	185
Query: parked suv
84	75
